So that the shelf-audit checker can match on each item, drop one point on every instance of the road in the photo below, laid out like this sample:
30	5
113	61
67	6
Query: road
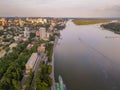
52	74
52	63
35	69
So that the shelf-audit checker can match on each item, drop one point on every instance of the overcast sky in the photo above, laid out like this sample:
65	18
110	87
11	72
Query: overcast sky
60	8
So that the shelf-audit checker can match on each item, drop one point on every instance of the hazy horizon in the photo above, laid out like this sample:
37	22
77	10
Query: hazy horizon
60	8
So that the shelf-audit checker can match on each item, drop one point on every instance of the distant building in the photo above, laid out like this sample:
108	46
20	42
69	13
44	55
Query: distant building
31	63
20	23
26	32
43	33
3	22
37	34
5	43
25	39
1	27
2	53
45	20
9	36
53	24
51	28
48	35
16	38
29	46
40	20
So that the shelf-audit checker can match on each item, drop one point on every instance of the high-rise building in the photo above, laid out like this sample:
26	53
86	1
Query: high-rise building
26	32
43	33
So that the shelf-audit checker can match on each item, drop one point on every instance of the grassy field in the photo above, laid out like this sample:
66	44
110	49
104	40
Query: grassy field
88	22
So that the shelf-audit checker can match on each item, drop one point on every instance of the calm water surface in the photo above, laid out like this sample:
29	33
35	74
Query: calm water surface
87	58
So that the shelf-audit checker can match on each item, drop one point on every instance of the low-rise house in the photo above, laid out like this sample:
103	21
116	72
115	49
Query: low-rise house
5	43
16	38
41	48
25	39
11	46
1	27
2	53
29	46
9	36
48	35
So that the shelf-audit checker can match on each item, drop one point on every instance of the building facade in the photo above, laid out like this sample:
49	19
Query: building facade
31	63
26	32
43	33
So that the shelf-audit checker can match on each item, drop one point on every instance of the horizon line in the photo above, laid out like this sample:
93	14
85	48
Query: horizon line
55	17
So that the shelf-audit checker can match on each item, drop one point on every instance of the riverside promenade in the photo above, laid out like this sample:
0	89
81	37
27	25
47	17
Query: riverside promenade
52	63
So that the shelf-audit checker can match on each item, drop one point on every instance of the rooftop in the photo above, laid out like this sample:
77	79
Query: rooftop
32	59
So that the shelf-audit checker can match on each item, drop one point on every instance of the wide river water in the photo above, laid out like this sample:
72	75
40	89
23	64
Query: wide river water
88	58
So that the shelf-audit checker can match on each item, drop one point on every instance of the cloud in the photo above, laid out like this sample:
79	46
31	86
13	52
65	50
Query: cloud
109	10
73	8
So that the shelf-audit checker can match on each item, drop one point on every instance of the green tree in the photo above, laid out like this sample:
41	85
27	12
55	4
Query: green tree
16	85
42	86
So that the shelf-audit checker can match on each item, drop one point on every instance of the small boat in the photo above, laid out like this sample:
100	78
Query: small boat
60	85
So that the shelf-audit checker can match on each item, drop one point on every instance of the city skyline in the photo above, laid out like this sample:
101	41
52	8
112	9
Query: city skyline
60	8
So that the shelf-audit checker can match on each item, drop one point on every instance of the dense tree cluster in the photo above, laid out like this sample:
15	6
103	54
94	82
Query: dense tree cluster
29	81
1	32
58	27
52	38
12	67
112	26
43	80
49	48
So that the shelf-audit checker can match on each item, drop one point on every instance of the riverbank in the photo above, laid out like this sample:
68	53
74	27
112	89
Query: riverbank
88	22
114	27
52	63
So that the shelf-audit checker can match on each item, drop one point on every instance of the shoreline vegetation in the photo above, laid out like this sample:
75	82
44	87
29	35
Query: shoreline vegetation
114	27
89	22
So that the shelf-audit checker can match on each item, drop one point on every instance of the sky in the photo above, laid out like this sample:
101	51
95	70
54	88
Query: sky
60	8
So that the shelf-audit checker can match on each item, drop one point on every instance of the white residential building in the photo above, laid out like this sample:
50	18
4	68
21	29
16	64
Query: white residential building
43	33
16	38
26	32
30	66
48	35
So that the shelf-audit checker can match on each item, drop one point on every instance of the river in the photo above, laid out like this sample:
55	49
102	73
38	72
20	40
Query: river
88	58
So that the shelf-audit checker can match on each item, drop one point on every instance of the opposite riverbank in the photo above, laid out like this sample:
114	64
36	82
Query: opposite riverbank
114	27
88	22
